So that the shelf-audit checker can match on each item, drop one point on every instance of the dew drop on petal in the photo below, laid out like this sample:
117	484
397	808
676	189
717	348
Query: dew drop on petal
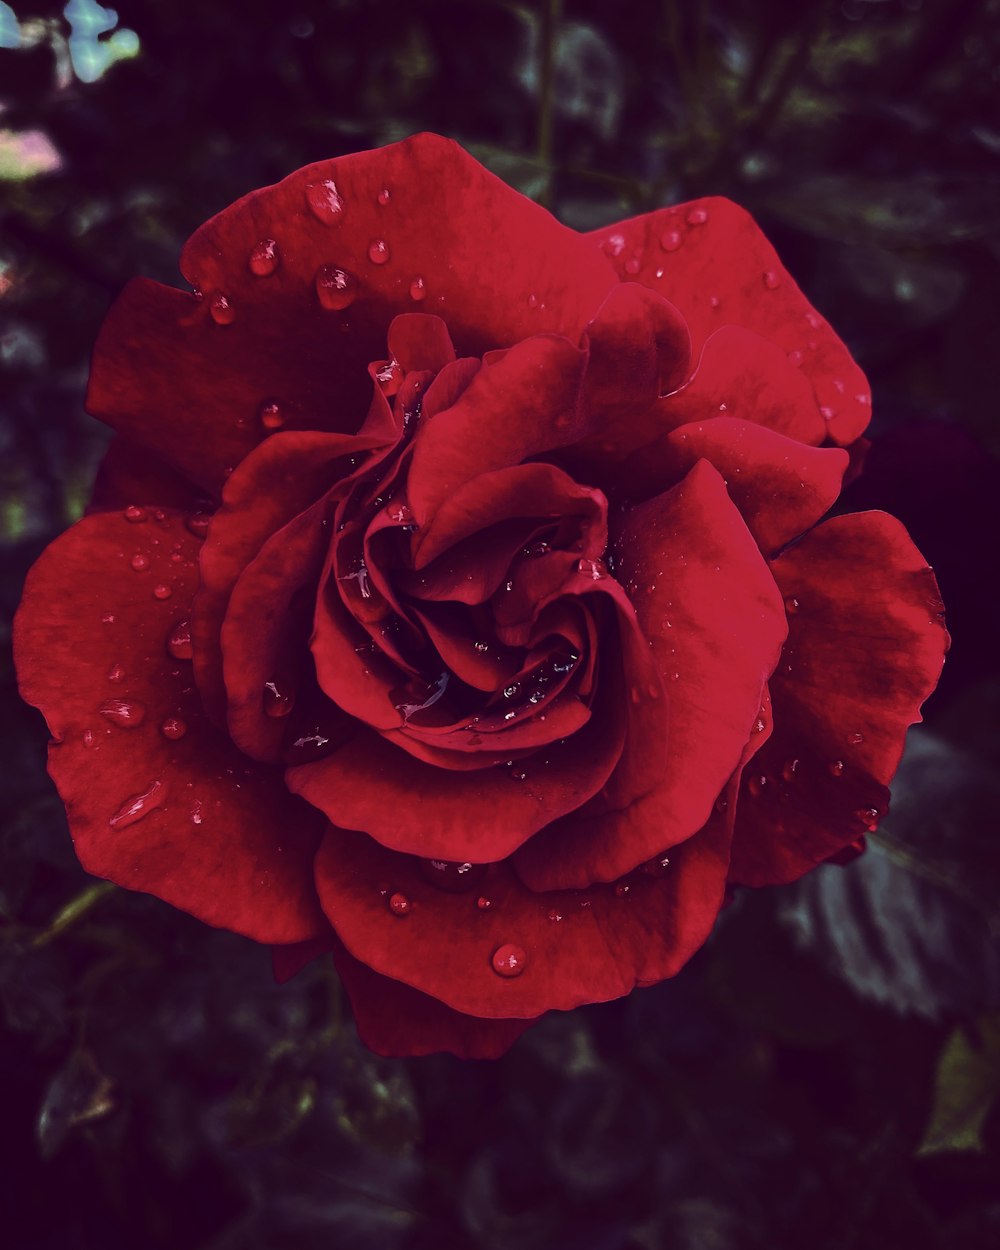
139	562
795	358
622	889
336	289
792	605
418	290
108	618
125	713
855	739
869	817
135	514
836	768
139	805
484	903
614	245
509	960
756	785
554	914
452	876
88	737
179	641
277	703
173	728
590	568
697	217
771	280
657	866
264	258
670	240
827	413
222	310
116	672
325	202
162	591
384	196
789	770
633	265
197	523
399	904
378	251
271	416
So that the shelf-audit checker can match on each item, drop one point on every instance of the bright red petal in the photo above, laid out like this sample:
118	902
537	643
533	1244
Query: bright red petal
865	647
158	800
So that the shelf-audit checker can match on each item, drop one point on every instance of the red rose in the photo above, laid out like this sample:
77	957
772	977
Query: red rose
456	594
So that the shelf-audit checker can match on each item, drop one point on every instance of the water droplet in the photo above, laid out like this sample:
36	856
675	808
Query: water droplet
790	769
378	251
390	377
554	915
336	289
795	358
384	196
814	319
451	876
714	301
399	904
173	728
125	713
855	739
271	416
614	245
196	816
437	689
836	768
116	672
325	202
756	785
197	523
771	280
657	866
223	313
509	960
484	903
88	737
139	562
481	647
591	568
139	805
277	703
759	725
670	240
418	290
622	889
264	258
827	413
518	774
697	217
510	692
869	817
108	618
162	591
135	514
633	265
179	641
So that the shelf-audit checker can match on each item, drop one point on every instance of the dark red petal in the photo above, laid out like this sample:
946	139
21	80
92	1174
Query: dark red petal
601	946
158	800
710	258
129	474
707	603
780	487
288	961
420	342
523	404
396	1020
283	478
865	647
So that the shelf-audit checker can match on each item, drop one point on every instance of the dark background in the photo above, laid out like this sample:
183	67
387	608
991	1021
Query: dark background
825	1073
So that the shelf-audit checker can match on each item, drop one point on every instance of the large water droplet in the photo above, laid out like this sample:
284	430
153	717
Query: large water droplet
399	904
222	310
670	240
179	641
325	202
139	805
378	251
139	562
135	514
336	289
451	876
277	703
509	960
264	258
125	713
173	728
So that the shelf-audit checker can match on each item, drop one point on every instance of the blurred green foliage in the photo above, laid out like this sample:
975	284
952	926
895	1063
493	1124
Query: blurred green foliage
824	1073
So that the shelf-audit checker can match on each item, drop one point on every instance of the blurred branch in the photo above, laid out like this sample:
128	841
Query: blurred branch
75	910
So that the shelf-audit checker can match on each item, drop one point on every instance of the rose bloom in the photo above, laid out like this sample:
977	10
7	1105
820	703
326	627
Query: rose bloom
456	595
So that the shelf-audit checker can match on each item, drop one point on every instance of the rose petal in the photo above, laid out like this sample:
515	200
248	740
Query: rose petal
129	473
396	1020
721	270
174	810
706	601
865	648
599	944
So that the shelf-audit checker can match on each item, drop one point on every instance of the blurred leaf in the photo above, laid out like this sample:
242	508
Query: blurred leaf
79	1093
913	924
966	1088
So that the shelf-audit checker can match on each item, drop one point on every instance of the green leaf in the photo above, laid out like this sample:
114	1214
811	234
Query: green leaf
965	1090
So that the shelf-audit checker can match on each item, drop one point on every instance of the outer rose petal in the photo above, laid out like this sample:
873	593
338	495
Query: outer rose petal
130	473
865	648
719	269
598	945
180	374
706	601
394	1019
185	816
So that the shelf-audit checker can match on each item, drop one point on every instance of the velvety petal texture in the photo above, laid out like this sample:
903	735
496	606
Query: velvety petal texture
457	598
